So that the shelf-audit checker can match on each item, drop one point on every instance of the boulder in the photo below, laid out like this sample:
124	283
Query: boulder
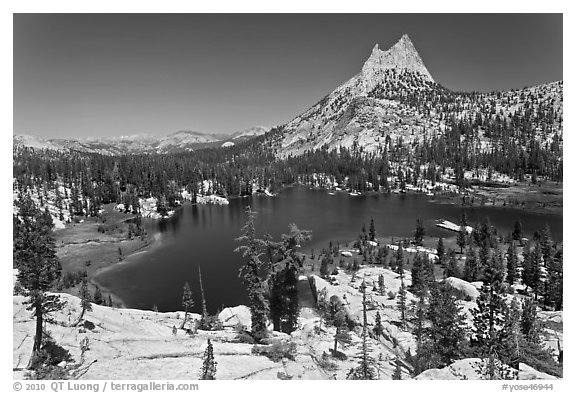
468	288
232	316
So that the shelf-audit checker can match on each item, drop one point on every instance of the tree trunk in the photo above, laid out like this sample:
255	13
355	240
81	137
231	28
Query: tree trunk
38	335
335	345
185	318
81	316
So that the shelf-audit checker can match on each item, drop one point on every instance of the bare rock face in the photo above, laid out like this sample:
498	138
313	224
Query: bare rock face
402	55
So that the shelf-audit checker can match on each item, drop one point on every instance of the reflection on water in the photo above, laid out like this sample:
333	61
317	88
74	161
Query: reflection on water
203	235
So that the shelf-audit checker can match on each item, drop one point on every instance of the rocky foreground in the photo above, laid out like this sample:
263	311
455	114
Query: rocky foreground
137	344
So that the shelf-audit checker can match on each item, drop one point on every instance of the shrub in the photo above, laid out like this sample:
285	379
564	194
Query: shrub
282	375
327	363
391	295
244	338
277	350
46	365
210	322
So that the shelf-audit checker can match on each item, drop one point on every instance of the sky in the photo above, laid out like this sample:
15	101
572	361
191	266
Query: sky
90	75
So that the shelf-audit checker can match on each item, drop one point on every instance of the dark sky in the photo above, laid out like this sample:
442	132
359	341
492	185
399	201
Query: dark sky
106	75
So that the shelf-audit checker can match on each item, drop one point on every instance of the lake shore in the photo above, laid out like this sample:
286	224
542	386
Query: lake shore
95	244
545	198
81	246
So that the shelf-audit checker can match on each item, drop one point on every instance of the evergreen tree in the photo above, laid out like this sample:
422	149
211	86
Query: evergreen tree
461	239
324	267
251	274
420	274
85	300
34	256
419	332
402	301
208	370
284	307
205	317
512	325
397	370
553	295
372	230
98	298
529	324
343	337
446	329
534	272
463	219
381	285
511	265
419	233
491	335
517	232
365	369
187	303
471	268
440	251
399	260
378	328
452	269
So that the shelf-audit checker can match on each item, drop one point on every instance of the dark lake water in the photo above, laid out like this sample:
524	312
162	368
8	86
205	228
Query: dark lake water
203	235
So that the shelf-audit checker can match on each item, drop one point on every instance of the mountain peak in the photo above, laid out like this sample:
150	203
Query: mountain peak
402	55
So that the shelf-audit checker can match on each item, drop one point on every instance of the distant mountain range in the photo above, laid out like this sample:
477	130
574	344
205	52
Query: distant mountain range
180	141
394	98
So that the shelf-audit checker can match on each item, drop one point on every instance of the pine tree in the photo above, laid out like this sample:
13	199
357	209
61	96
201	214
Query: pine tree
511	265
534	272
402	301
397	370
208	370
461	239
284	306
378	328
381	285
512	325
187	303
250	273
452	269
85	300
553	294
440	251
365	369
98	297
517	232
529	324
342	336
324	267
463	219
204	319
419	332
471	268
34	254
419	233
446	330
491	335
399	260
372	230
420	279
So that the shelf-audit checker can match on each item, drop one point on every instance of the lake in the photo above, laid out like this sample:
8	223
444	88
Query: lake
203	235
